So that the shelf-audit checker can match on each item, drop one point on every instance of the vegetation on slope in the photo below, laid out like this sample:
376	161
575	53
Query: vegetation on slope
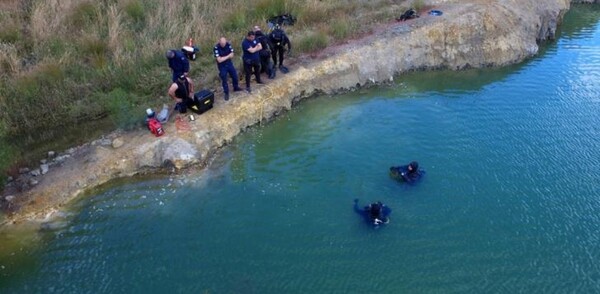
64	62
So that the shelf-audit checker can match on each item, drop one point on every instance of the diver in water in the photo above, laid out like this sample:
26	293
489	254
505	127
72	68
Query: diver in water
375	213
408	173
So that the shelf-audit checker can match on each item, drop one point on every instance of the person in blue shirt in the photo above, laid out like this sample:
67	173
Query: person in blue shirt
224	54
178	62
251	58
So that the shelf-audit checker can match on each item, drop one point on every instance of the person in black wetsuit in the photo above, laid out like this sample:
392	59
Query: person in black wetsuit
182	91
408	173
375	213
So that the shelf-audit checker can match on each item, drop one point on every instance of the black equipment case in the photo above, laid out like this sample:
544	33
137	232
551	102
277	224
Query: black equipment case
203	101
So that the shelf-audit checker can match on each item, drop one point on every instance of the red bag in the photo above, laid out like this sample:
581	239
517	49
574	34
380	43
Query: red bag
155	127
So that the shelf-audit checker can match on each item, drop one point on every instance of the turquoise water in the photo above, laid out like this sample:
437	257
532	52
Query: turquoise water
509	202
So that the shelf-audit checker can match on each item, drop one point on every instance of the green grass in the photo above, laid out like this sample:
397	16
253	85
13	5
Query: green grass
342	28
10	34
135	10
311	42
121	105
418	4
7	153
236	21
85	14
264	9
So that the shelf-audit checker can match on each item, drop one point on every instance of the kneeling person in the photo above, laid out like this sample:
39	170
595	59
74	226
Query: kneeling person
182	91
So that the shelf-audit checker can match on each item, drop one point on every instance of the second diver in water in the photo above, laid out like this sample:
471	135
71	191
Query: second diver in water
375	213
407	173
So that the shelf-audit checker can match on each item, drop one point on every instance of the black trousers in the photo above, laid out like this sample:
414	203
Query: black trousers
278	50
249	66
266	65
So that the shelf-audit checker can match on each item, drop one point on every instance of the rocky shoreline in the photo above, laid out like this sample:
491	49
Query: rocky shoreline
470	34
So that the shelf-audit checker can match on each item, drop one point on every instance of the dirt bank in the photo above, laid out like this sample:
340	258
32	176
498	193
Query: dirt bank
468	34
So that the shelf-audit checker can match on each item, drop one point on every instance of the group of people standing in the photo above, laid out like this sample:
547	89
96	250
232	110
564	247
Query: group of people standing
260	54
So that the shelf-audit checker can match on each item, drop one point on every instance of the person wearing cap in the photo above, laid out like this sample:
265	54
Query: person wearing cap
266	64
224	54
251	59
178	62
182	91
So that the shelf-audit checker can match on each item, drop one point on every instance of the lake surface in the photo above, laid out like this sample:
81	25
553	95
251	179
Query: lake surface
510	201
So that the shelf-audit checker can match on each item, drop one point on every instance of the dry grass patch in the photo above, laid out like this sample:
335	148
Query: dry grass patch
9	60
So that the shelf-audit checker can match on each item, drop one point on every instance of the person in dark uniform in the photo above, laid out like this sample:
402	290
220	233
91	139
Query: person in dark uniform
182	91
251	58
266	65
178	62
375	213
224	54
407	173
280	40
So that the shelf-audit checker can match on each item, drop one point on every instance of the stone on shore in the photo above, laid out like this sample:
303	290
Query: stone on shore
118	142
44	168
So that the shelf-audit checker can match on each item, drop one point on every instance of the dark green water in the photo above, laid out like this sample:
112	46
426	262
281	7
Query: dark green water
509	203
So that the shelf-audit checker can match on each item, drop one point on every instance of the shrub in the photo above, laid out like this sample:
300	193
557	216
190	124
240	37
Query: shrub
95	51
83	15
236	21
264	9
9	60
135	10
318	12
312	42
341	28
418	4
7	156
120	106
10	34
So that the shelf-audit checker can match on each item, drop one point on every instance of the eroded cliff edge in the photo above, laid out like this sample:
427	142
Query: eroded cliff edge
468	34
